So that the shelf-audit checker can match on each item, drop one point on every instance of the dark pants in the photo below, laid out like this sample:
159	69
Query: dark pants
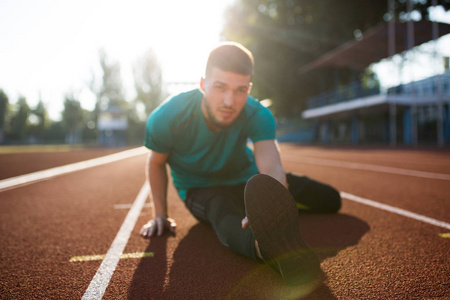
223	208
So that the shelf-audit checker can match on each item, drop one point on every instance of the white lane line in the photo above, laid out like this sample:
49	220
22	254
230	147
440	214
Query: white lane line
100	282
395	210
367	167
17	181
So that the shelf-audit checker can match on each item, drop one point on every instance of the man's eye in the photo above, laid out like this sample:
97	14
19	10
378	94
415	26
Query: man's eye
219	87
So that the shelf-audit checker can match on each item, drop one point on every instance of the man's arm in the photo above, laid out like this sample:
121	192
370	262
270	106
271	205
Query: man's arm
268	161
158	179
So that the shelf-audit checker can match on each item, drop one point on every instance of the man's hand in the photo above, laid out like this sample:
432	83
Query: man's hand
244	223
157	226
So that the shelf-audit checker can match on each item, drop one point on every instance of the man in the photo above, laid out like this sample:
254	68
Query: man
203	135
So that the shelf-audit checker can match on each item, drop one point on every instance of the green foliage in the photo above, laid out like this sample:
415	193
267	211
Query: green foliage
90	131
111	90
20	124
108	88
40	120
3	108
73	120
19	120
55	133
136	127
72	114
148	81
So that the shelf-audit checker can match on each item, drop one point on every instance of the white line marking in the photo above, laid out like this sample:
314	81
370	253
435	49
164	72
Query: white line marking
395	210
367	167
17	181
100	282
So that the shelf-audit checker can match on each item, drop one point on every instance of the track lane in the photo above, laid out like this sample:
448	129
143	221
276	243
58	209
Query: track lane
424	196
397	258
19	163
47	223
14	182
365	252
354	246
426	160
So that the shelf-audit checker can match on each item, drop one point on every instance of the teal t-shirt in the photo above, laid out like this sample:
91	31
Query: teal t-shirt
199	157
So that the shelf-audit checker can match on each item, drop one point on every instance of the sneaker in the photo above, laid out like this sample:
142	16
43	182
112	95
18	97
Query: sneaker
274	220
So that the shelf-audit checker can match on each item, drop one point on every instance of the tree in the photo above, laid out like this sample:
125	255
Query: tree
3	112
90	131
136	126
150	92
285	35
55	132
39	121
19	121
148	81
72	117
109	89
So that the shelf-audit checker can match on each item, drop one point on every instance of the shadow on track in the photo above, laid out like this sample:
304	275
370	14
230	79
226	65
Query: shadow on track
203	269
150	275
328	234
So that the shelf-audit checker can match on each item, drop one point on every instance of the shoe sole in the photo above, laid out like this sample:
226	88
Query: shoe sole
274	220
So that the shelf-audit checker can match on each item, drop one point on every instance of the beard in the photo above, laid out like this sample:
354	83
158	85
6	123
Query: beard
213	120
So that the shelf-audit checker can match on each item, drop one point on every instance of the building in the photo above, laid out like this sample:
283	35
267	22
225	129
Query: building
112	125
408	114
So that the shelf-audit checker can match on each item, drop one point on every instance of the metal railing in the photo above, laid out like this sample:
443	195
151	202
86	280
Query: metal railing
355	90
345	93
425	87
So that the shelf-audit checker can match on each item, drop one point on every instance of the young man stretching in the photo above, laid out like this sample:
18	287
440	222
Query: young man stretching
202	135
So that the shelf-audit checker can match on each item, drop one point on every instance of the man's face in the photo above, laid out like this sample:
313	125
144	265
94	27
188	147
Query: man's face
224	96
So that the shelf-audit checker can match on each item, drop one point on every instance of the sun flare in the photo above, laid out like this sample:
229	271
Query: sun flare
55	44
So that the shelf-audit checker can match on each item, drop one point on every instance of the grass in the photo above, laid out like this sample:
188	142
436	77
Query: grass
38	148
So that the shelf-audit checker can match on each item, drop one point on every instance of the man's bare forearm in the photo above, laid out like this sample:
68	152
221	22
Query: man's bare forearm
267	157
158	179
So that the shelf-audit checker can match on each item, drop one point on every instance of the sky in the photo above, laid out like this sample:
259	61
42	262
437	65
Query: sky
51	47
424	61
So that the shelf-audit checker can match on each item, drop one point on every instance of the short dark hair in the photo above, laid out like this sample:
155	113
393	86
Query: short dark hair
231	57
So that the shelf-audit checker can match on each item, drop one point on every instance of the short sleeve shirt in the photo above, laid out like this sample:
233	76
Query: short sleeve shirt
199	157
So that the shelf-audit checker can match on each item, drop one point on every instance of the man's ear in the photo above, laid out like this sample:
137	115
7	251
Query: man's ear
202	85
250	87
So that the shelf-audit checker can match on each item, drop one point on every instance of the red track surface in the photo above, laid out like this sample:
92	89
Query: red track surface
366	253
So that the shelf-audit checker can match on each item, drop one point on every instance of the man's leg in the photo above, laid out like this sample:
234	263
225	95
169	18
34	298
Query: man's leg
273	218
223	208
312	196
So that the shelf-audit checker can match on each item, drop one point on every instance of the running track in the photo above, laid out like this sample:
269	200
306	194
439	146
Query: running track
74	233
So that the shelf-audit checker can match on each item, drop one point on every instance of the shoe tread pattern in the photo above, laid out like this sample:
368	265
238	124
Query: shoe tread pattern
274	221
